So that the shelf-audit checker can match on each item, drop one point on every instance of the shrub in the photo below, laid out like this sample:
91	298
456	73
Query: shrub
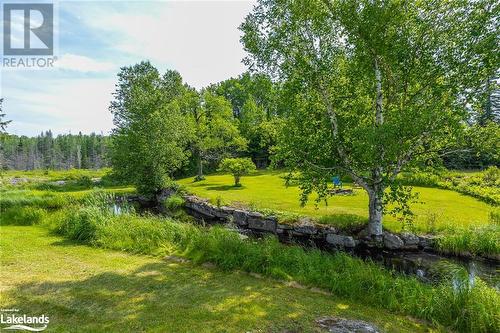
81	223
495	216
173	203
22	215
478	241
484	185
237	167
84	181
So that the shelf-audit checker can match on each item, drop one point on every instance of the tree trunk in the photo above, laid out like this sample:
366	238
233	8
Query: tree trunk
236	180
199	162
375	213
200	168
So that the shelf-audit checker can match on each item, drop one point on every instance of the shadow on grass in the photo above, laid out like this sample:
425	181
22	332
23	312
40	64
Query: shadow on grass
173	298
225	188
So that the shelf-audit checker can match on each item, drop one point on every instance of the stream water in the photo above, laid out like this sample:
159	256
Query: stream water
432	267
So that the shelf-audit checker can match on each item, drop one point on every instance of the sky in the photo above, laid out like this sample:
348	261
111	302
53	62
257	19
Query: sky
95	38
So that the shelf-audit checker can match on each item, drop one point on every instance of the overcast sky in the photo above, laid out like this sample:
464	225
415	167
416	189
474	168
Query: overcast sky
198	39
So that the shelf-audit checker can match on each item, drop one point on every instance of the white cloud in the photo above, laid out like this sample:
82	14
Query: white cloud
81	63
63	105
199	39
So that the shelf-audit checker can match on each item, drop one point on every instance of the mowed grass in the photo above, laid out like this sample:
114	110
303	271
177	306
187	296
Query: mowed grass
85	289
437	209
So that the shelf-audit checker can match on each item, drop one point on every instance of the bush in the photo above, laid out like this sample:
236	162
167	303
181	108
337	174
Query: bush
81	223
483	185
173	203
84	181
477	241
237	167
22	215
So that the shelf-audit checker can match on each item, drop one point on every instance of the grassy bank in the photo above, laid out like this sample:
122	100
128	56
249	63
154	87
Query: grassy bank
468	308
97	290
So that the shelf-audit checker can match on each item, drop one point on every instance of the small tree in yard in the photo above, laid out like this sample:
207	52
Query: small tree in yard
237	167
372	85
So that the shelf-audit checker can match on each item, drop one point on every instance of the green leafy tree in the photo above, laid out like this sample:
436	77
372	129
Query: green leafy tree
371	85
151	136
255	102
238	167
216	131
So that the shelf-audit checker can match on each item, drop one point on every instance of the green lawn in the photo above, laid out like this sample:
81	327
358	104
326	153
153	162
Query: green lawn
84	289
267	189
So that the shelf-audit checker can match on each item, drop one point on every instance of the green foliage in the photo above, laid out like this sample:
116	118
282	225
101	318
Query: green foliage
173	203
468	308
346	222
237	167
437	210
48	151
216	132
3	123
151	135
483	185
28	215
46	200
370	85
476	241
80	223
256	103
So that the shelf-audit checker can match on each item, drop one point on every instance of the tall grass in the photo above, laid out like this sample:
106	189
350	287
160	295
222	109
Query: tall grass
484	185
22	215
467	308
476	241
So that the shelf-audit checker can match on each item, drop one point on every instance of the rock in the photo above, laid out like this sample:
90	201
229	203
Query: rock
341	240
221	213
262	224
285	226
17	180
425	242
341	325
208	265
164	194
305	227
227	210
176	259
392	242
410	240
201	208
255	214
240	217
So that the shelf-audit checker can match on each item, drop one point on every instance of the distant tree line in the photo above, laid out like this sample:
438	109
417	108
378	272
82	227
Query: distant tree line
47	151
241	116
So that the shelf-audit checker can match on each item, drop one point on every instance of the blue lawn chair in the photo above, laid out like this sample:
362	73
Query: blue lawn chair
336	182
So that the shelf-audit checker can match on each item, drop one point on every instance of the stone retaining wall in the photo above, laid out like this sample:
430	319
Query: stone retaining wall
303	230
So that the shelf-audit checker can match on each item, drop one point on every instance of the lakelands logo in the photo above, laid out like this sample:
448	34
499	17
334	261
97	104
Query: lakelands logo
11	319
28	35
